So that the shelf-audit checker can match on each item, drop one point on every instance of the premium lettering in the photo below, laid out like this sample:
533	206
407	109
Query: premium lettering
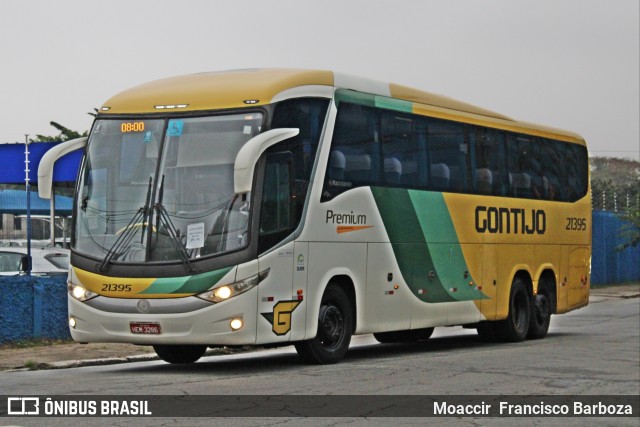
345	218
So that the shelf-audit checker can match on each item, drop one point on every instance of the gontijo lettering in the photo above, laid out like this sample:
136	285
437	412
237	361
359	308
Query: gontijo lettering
510	220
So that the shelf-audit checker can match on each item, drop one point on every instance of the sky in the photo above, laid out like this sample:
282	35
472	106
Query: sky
570	64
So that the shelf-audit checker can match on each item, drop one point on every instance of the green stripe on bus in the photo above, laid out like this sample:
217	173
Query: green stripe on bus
352	97
425	244
394	104
186	284
202	282
368	100
408	243
444	245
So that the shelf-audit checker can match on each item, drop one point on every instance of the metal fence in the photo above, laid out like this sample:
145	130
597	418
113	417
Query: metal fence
33	307
609	265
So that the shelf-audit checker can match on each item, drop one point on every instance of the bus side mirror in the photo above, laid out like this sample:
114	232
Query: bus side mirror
45	168
250	152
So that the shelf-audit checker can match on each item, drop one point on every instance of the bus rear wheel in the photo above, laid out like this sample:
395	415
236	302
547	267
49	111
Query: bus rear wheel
516	326
540	317
335	325
180	353
403	336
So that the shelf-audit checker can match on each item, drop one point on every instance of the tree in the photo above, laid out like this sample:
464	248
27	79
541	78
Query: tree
615	183
630	231
66	134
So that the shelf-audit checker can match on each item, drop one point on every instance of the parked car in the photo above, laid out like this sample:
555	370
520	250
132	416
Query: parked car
44	262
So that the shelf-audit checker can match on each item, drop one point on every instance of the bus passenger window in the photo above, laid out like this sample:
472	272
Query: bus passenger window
354	160
448	153
490	162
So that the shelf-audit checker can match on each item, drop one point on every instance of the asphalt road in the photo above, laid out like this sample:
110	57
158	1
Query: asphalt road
594	351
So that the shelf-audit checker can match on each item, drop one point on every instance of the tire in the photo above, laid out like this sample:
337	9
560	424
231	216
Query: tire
403	336
516	326
540	317
335	325
180	353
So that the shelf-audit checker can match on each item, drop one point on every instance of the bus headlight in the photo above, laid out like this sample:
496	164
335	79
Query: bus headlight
223	292
80	293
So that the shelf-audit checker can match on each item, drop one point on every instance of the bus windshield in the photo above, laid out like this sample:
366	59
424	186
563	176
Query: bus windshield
162	189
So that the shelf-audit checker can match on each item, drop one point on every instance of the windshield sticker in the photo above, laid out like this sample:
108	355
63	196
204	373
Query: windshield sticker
195	235
175	127
247	130
148	137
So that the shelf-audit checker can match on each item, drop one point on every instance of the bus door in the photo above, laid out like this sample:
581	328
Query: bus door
276	299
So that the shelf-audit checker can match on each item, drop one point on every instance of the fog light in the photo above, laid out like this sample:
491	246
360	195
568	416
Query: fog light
236	324
72	322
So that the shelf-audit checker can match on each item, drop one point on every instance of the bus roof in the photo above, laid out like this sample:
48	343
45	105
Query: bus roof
241	88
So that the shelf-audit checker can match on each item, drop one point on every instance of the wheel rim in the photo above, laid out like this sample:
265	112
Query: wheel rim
331	326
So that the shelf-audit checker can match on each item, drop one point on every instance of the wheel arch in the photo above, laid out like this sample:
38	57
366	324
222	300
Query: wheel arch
548	285
346	283
340	277
524	275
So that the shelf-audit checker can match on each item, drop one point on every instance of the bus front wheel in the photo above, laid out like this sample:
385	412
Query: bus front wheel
180	353
335	325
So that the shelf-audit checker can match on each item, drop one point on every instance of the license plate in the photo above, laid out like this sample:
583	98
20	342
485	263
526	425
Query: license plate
145	328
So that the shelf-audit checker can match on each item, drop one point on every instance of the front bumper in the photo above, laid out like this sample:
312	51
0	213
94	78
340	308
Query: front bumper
209	325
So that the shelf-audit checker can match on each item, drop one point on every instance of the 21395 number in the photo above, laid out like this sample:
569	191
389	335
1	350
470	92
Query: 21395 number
112	287
576	224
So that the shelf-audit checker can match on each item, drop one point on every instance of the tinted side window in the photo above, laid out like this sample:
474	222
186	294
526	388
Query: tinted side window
277	211
404	150
523	166
541	168
308	115
448	156
389	148
578	166
490	172
354	159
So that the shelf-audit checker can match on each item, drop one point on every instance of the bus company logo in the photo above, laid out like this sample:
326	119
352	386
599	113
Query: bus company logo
280	318
347	222
143	306
510	220
23	406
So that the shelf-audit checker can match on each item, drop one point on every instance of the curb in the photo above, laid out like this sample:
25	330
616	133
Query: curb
79	363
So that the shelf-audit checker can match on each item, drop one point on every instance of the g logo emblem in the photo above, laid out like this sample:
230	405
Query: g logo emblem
143	306
280	319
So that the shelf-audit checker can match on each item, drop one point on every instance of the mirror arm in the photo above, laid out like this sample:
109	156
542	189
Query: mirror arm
250	152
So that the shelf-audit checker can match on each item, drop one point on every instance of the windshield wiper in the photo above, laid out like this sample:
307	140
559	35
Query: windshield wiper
123	240
162	218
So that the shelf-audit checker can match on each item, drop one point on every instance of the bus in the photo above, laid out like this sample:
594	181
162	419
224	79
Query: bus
270	207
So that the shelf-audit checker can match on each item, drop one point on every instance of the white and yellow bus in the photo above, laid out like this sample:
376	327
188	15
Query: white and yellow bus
275	207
